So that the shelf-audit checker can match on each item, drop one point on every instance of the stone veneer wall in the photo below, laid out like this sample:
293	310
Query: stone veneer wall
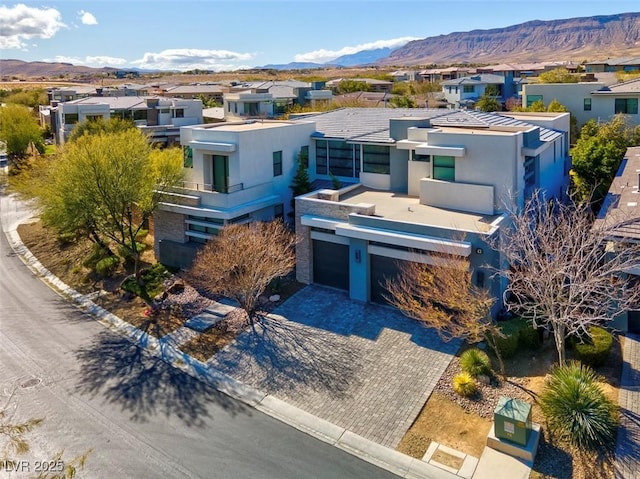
328	209
167	226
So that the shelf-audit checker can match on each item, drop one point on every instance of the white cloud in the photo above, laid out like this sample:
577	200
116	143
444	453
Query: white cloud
90	61
20	23
324	56
87	18
183	59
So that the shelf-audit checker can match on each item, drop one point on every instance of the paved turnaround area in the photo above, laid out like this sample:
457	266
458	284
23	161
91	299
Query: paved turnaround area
628	443
363	367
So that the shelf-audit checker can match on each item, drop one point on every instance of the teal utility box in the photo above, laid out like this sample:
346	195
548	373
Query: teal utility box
512	418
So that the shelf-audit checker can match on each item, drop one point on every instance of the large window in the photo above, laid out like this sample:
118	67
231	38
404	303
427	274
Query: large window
70	118
340	158
626	105
277	163
251	109
375	159
468	89
587	104
178	113
139	114
531	99
444	168
337	158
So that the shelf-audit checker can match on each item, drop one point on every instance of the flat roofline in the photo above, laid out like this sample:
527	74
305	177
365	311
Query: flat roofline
407	209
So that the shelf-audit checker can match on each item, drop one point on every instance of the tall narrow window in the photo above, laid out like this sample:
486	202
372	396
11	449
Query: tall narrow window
321	157
587	104
444	168
277	163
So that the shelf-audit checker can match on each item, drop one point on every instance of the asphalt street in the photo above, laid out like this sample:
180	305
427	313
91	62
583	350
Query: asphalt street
140	417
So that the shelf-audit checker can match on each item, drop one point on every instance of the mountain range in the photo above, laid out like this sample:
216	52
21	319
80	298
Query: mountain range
577	39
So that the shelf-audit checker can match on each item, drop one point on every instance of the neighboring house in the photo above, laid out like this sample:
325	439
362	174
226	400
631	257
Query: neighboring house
589	100
404	75
207	92
433	75
620	64
466	91
160	117
236	172
272	99
621	210
431	182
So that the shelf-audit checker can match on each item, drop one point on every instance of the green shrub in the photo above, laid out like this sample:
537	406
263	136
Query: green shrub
475	362
528	336
508	345
577	409
67	238
107	266
594	351
153	279
142	234
464	384
97	253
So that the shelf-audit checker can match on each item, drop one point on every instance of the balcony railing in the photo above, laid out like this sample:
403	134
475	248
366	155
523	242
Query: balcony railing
190	185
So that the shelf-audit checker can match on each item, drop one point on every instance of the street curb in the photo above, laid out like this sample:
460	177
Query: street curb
365	449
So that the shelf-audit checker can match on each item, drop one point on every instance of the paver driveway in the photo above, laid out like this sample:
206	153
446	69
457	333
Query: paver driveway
363	367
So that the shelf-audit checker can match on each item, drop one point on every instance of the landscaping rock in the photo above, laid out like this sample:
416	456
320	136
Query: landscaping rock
177	287
274	298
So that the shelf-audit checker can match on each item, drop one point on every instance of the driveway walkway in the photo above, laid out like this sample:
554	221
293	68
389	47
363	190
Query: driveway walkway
628	443
363	367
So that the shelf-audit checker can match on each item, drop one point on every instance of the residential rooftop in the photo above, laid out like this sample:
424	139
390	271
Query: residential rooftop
401	207
621	207
247	125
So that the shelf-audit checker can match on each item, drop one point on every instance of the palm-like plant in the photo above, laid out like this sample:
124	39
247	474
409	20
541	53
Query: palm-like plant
576	407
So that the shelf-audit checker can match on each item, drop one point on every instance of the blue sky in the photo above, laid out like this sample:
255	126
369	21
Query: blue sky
227	35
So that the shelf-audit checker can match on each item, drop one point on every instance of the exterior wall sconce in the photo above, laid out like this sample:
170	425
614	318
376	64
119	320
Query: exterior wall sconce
358	258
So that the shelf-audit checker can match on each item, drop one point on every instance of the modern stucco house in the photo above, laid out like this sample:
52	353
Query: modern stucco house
589	100
416	183
161	118
235	172
431	183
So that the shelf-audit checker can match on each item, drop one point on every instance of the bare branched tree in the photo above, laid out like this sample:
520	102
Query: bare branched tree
565	273
243	259
444	297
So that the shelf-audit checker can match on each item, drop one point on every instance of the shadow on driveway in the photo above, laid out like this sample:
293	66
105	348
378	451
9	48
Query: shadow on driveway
145	386
277	355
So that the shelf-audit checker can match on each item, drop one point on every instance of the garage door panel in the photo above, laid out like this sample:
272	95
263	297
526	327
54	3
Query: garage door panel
331	264
382	268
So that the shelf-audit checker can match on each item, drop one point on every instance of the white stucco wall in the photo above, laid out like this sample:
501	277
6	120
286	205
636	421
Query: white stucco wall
251	164
571	95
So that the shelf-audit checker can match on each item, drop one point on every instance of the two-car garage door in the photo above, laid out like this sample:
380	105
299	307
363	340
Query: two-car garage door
331	268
